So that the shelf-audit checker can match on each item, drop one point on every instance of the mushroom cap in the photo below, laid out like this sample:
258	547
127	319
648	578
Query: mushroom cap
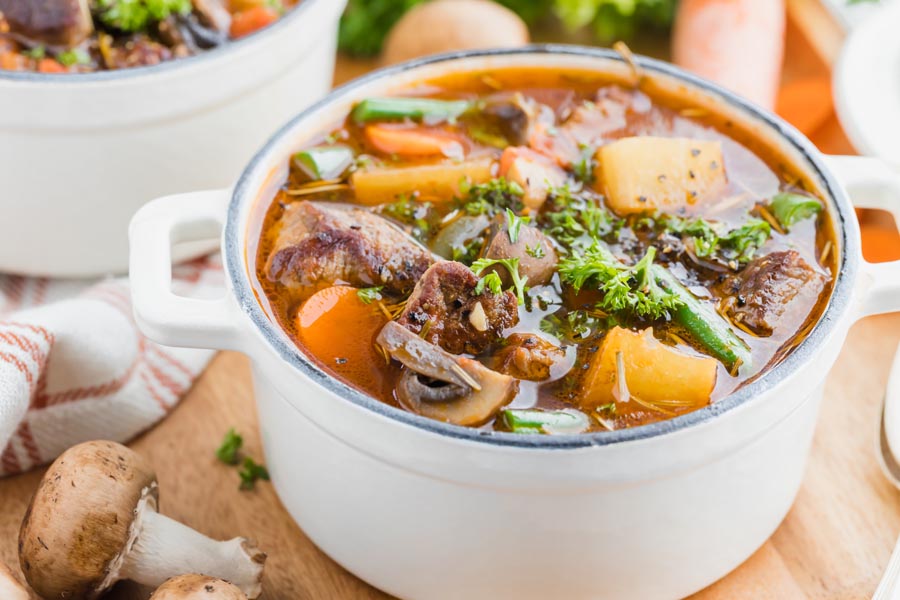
197	587
444	25
80	518
10	588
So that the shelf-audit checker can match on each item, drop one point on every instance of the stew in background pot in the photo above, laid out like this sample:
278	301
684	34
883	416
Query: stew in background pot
81	36
543	252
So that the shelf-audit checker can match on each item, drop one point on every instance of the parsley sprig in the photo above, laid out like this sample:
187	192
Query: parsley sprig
229	452
493	282
630	290
136	15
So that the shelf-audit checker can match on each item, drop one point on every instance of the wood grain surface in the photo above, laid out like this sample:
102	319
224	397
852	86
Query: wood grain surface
833	545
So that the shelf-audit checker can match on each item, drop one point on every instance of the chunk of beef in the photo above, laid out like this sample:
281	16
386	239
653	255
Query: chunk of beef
52	22
444	304
527	356
321	242
775	290
537	258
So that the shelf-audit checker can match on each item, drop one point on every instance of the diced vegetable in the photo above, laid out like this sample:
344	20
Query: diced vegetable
640	174
324	162
397	109
654	373
706	327
48	65
413	142
437	182
534	172
789	208
249	21
544	421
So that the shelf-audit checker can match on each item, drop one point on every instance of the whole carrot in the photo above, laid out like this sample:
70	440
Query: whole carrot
736	43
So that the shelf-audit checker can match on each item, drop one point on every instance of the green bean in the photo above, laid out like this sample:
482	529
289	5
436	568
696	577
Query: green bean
324	162
394	109
544	421
707	327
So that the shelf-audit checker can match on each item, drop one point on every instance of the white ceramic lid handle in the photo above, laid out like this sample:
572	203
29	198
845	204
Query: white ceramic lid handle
873	183
163	316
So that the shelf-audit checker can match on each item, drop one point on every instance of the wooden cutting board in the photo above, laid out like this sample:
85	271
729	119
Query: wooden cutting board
833	545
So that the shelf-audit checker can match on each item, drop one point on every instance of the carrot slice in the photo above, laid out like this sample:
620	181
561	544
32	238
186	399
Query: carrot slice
736	43
339	329
251	20
805	103
413	142
48	65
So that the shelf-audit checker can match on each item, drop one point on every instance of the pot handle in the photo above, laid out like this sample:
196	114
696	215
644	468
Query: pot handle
873	183
161	315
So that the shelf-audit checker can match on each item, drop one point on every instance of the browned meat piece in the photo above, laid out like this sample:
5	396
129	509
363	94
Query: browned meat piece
52	22
445	305
537	258
139	51
778	289
527	356
320	242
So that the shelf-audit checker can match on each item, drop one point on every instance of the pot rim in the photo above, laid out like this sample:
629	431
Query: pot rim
836	309
221	53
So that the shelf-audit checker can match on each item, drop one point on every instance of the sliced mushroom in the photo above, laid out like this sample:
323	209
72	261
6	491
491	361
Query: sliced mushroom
10	588
197	587
52	22
513	115
442	386
214	13
93	521
537	258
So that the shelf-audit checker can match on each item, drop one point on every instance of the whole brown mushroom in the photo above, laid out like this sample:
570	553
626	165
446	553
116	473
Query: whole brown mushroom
94	521
446	25
197	587
10	588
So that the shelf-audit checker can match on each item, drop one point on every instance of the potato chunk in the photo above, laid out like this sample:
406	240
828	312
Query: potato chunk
655	373
640	174
436	182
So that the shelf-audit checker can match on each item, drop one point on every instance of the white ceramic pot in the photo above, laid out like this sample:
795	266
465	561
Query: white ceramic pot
423	509
79	154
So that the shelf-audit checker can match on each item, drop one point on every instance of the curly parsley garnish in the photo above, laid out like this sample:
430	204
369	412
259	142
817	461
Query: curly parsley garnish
136	15
631	290
514	225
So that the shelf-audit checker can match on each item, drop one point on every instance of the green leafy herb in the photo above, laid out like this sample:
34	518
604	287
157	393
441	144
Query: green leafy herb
511	265
514	225
578	218
790	208
711	240
251	472
136	15
37	53
75	56
630	290
492	281
584	168
492	197
370	294
536	251
409	211
231	445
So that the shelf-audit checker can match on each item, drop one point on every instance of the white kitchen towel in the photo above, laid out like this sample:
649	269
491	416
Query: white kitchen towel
74	367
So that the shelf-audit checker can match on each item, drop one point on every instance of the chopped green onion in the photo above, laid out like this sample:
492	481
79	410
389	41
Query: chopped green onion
370	294
394	109
544	421
231	445
790	208
324	162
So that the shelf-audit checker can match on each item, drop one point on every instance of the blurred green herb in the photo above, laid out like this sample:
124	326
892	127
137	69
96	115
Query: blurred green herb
370	294
366	23
137	15
231	445
251	472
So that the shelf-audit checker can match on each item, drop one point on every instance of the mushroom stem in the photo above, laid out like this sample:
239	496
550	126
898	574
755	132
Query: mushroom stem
162	548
